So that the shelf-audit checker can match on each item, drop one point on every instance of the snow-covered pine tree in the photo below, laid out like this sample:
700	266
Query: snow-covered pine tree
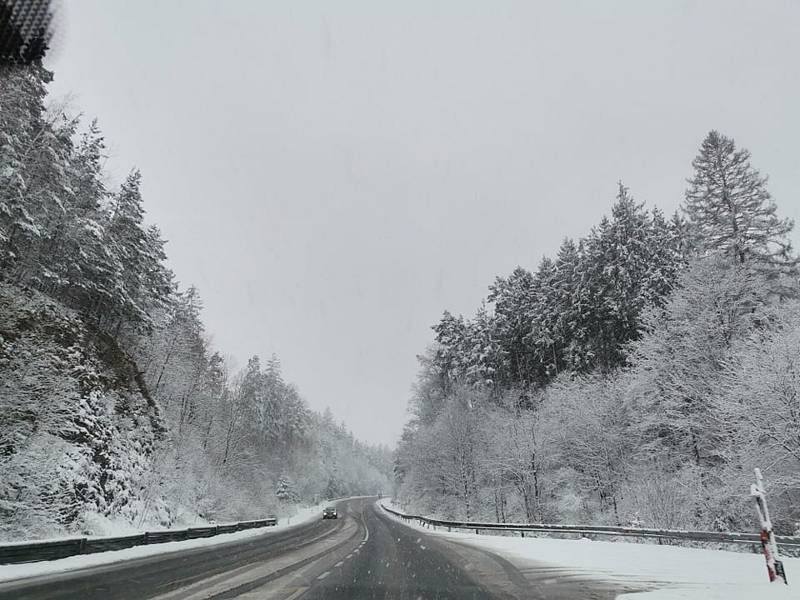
668	256
283	416
34	166
485	359
89	272
618	255
22	93
128	240
730	210
285	490
513	300
566	303
157	278
449	353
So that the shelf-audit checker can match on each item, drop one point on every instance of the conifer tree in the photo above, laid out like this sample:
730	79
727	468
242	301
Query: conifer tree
449	354
285	490
485	359
567	303
730	210
513	301
617	263
128	241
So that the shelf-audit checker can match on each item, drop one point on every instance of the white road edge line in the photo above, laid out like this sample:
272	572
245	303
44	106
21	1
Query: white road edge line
366	529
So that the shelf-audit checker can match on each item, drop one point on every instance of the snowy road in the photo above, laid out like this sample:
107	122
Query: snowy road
363	554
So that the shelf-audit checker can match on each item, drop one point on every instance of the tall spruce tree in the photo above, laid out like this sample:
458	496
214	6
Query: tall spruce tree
730	210
617	263
567	303
449	353
513	299
128	241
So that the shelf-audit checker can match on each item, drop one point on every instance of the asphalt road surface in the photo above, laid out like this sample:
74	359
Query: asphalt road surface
365	553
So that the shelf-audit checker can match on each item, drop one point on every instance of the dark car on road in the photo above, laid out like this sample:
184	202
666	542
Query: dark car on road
330	513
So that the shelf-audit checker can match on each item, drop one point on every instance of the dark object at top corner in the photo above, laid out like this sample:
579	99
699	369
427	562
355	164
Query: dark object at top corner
25	31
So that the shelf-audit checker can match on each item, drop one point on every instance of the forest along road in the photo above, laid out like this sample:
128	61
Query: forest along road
366	553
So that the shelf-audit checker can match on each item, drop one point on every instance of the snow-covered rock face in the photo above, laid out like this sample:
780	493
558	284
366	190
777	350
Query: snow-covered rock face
76	426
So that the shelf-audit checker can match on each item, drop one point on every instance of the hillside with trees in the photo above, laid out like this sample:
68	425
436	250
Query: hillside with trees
114	406
635	378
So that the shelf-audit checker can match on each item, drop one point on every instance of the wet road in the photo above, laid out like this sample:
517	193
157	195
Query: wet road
366	553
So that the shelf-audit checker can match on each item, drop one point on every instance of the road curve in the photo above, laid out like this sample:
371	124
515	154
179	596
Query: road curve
365	553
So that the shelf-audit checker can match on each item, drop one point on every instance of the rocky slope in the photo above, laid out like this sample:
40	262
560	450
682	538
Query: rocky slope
77	425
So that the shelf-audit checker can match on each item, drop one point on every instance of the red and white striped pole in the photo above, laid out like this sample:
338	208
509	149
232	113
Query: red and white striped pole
768	544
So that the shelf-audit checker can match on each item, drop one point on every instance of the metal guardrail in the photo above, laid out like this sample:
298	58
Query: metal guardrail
791	543
38	551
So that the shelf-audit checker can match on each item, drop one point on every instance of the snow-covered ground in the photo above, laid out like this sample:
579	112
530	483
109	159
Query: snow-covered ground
677	573
8	572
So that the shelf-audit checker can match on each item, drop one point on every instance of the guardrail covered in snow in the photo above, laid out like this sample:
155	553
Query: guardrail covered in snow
791	543
50	550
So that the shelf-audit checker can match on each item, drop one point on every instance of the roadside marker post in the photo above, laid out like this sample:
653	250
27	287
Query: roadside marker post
768	543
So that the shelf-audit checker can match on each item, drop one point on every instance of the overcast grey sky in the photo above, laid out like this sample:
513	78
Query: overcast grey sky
333	175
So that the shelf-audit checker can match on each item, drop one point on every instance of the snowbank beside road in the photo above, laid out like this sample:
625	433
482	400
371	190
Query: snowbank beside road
9	572
677	573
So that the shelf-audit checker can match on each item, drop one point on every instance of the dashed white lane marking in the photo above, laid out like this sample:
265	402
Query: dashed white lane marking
339	564
349	556
356	551
324	575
